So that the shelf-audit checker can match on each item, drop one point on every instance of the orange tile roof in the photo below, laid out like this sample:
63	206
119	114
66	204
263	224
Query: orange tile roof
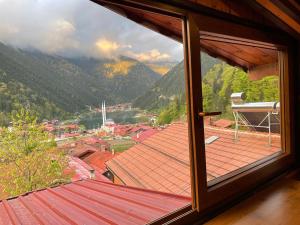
143	135
93	141
161	162
98	159
80	150
223	123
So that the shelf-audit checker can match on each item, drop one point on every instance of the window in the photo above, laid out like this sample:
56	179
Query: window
248	57
178	133
246	129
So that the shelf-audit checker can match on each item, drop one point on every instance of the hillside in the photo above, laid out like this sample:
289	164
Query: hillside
223	80
161	67
54	86
171	85
217	85
125	78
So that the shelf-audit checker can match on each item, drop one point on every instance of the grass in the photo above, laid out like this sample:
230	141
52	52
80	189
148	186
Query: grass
121	145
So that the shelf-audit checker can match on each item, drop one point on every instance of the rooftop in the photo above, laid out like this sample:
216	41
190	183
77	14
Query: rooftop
98	159
143	135
161	162
89	202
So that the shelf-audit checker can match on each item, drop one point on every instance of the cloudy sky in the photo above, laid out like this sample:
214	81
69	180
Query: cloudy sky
80	28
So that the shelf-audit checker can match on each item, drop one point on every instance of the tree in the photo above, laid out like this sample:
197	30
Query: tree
29	159
174	111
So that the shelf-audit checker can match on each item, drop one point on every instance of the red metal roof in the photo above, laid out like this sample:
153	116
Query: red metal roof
83	171
161	162
89	202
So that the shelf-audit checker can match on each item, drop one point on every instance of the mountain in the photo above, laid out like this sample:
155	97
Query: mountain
171	85
161	67
124	78
54	86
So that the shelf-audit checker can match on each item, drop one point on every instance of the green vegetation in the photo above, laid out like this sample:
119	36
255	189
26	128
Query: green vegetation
176	110
121	145
217	85
28	157
14	96
170	85
223	80
55	86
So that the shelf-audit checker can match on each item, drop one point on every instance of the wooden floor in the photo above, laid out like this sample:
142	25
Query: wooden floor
276	204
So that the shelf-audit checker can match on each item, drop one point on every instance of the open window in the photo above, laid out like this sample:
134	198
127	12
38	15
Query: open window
238	112
241	107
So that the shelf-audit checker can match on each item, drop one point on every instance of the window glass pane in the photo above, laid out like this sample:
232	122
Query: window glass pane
94	101
247	130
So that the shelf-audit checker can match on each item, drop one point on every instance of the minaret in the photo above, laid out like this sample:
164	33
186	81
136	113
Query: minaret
103	119
104	113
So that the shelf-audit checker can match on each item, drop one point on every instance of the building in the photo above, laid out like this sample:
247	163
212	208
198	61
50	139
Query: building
89	202
261	37
161	162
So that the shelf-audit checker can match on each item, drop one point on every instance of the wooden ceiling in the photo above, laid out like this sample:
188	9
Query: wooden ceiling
235	53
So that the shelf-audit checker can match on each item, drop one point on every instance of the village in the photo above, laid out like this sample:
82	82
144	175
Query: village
149	156
90	149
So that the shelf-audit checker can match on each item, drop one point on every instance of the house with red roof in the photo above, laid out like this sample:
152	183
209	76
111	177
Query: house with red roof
95	142
143	135
98	159
161	162
81	170
89	202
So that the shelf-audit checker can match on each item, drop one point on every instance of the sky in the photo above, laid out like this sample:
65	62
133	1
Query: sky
80	28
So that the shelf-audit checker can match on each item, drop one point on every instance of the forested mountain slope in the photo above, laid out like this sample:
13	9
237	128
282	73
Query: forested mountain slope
171	85
218	83
125	78
54	86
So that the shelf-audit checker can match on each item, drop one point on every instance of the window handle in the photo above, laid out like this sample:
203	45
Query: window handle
203	114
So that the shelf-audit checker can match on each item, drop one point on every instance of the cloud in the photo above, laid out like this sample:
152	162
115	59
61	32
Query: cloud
106	46
153	55
58	37
80	28
109	48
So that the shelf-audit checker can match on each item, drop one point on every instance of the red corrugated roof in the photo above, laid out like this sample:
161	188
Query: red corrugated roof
89	202
81	169
161	162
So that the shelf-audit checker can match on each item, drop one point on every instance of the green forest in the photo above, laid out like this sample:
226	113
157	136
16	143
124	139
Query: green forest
217	85
14	96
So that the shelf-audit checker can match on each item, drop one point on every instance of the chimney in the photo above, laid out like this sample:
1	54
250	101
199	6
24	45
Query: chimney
92	173
113	152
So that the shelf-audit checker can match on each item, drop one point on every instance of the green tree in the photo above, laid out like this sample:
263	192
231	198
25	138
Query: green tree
174	111
29	159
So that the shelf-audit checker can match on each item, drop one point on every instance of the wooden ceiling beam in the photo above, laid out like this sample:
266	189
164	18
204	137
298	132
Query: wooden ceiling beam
277	15
289	9
259	72
212	29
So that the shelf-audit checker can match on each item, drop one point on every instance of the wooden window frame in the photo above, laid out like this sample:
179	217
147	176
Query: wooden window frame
206	201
